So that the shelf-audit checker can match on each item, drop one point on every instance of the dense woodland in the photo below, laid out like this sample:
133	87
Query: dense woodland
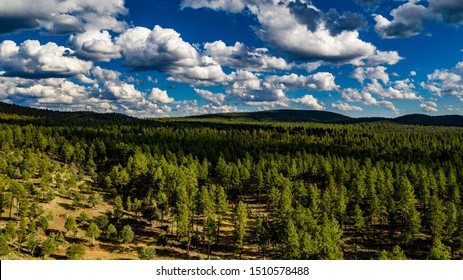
123	188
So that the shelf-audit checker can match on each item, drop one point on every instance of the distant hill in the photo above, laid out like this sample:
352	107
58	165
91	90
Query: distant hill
281	116
50	117
329	117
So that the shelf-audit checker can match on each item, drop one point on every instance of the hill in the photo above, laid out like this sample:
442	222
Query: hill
50	117
329	117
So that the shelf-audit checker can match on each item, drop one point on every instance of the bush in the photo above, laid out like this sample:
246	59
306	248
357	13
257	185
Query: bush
75	251
147	253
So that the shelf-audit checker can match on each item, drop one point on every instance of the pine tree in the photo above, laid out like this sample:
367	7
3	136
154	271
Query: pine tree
439	251
330	240
127	234
49	246
262	235
396	254
71	225
240	221
111	232
93	232
75	252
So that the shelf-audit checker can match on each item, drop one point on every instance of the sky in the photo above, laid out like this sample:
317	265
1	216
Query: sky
163	58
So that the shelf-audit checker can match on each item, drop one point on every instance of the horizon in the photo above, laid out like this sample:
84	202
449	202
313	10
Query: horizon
174	58
240	112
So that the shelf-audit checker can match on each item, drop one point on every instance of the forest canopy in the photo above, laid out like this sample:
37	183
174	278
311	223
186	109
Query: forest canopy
211	188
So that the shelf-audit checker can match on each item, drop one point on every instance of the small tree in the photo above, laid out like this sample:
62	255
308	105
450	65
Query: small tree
439	251
43	223
127	234
75	251
396	254
93	232
147	253
118	208
262	235
111	232
240	221
33	242
4	249
49	246
10	231
71	225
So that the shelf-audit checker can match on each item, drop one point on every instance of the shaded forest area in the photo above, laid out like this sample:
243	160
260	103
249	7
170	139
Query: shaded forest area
187	188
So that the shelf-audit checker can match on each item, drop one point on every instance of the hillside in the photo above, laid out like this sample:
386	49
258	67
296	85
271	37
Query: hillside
329	117
50	117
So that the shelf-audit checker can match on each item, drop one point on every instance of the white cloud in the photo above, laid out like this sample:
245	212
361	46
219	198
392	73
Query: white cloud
240	56
165	51
380	57
429	106
234	6
371	73
354	95
412	73
159	96
95	45
61	16
321	81
407	21
446	81
284	26
31	59
310	102
215	98
403	89
409	18
343	106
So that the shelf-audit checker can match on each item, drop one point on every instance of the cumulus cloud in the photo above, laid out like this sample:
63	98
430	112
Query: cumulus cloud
403	90
33	60
321	81
61	16
240	56
380	57
309	101
407	21
215	98
354	95
371	73
301	30
343	106
96	45
234	6
429	106
159	96
446	81
165	51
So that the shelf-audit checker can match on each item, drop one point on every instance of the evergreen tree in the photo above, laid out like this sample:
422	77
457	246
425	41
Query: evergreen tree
49	246
147	253
93	232
330	243
75	252
71	225
262	235
396	254
127	234
439	251
4	248
111	232
240	221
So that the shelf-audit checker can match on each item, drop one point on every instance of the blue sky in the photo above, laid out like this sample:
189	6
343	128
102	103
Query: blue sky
186	57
